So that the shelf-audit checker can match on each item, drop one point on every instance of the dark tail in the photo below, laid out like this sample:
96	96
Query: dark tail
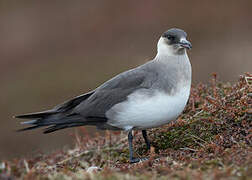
53	121
59	117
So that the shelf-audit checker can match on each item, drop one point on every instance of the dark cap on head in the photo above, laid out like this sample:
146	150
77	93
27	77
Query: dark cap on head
175	32
177	36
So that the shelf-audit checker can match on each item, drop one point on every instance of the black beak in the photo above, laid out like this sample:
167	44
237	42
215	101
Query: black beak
185	44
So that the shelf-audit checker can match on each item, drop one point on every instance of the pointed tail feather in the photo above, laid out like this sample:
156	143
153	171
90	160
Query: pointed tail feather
61	108
54	121
36	115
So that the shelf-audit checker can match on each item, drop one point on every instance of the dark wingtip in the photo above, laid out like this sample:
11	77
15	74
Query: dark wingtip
53	128
18	116
35	115
22	116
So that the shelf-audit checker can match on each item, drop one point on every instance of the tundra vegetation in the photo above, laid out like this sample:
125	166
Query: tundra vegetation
212	139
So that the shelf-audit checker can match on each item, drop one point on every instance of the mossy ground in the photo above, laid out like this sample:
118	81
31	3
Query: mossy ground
212	139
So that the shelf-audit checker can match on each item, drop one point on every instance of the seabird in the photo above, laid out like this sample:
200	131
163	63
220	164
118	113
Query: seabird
145	97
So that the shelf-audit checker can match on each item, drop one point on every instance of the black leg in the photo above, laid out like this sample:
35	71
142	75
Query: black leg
130	139
146	139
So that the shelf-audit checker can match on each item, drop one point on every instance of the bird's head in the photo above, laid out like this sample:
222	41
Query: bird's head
173	42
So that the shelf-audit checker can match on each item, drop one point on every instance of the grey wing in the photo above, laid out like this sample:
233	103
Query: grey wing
62	109
115	91
90	108
68	105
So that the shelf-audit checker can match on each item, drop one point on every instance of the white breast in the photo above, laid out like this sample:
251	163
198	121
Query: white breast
142	111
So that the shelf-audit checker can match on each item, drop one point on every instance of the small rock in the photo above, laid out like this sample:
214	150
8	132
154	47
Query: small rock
2	165
93	169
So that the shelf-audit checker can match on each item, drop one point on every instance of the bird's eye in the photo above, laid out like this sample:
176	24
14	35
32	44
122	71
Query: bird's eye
170	37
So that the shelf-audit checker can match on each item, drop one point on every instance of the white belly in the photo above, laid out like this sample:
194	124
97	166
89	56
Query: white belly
143	112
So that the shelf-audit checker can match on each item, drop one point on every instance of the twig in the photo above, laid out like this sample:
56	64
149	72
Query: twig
68	159
190	149
248	79
196	114
198	143
197	138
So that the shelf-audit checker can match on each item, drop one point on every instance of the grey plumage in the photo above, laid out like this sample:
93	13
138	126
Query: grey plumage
166	78
91	108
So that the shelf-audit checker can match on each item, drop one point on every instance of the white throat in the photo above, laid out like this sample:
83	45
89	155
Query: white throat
163	49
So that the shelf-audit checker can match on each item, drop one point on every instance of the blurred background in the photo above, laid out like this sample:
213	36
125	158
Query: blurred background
51	51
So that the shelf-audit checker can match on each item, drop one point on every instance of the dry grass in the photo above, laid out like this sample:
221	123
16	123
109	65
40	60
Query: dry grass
211	140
